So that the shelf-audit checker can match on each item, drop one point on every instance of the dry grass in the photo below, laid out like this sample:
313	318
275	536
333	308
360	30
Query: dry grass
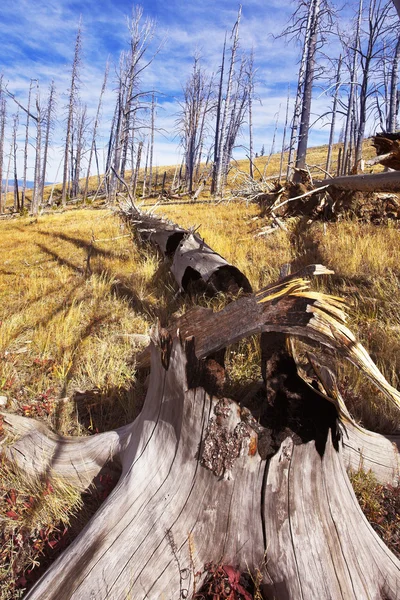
381	506
64	322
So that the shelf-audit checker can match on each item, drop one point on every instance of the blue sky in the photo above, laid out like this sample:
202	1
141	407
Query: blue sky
37	41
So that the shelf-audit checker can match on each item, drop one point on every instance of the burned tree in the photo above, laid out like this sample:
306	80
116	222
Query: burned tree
17	205
26	146
49	117
191	122
73	92
204	480
3	116
94	135
369	51
223	134
131	100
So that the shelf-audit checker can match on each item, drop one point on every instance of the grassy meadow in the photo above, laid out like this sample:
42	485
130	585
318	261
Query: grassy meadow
75	290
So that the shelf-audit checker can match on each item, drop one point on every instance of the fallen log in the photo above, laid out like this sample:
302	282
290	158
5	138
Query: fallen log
375	182
195	266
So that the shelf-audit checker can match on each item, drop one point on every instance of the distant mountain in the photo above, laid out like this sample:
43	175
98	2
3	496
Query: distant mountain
29	184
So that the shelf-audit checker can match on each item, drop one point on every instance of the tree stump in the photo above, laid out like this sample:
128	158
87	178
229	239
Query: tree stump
195	489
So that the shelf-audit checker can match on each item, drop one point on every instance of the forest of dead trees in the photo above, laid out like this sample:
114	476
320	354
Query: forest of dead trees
214	113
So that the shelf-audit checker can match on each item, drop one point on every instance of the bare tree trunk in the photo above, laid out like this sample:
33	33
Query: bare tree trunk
163	183
3	116
137	168
95	128
204	481
71	108
353	83
7	176
393	98
37	185
145	170
49	116
308	84
223	158
26	145
217	124
377	15
152	127
250	109
333	121
80	144
299	96
17	206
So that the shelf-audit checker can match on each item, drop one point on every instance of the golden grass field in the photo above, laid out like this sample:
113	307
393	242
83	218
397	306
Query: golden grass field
75	288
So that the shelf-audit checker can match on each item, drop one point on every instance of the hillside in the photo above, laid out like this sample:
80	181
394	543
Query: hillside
77	295
265	166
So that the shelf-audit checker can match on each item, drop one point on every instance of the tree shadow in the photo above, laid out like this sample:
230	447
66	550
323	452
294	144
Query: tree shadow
89	246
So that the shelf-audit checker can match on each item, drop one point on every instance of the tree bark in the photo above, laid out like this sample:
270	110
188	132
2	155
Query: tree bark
194	265
376	182
393	98
353	83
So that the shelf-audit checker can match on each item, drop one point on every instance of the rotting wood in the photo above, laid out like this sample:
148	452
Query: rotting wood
375	182
195	266
194	489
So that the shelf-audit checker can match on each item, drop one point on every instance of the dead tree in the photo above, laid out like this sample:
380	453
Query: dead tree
78	147
131	100
393	96
333	119
49	123
378	27
223	158
95	128
312	40
353	83
17	206
135	175
195	107
26	146
152	129
204	480
218	123
3	116
250	75
71	108
300	85
37	183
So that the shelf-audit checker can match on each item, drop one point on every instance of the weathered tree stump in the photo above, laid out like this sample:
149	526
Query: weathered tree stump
194	489
206	480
